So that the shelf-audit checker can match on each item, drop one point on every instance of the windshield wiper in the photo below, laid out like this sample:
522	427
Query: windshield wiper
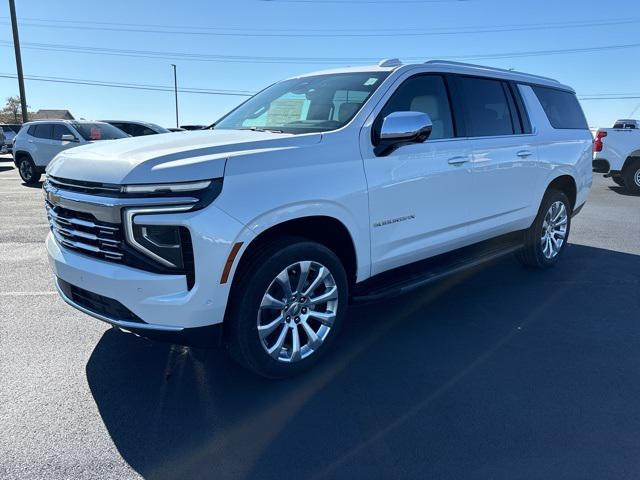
262	129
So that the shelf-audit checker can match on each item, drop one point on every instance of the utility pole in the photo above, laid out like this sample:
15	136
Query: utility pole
16	46
175	90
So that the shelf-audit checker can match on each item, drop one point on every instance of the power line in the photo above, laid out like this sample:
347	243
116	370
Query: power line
131	86
365	1
207	31
183	56
376	30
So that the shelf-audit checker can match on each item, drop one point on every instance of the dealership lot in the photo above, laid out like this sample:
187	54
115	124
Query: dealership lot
498	373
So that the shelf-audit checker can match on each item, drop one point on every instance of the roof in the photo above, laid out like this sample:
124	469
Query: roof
448	66
52	115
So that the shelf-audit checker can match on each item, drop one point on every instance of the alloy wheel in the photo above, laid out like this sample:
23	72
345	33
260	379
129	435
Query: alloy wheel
26	170
554	230
297	311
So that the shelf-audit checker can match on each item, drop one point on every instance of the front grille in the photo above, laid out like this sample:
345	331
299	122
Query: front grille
82	232
93	188
105	306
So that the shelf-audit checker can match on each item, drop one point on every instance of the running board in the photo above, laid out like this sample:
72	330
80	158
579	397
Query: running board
405	279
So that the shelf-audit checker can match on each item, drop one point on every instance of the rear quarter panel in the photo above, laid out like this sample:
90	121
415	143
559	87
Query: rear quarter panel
560	152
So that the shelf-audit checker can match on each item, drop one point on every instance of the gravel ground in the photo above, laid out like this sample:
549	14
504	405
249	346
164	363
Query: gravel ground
499	373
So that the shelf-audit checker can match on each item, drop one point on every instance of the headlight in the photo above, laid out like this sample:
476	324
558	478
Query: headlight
163	243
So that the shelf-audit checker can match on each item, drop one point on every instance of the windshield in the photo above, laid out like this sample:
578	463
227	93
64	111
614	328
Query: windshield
302	105
98	131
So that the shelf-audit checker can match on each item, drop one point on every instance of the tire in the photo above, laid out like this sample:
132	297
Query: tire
537	252
263	318
28	171
618	180
631	175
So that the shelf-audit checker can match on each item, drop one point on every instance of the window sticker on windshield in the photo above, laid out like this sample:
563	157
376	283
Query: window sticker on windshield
96	133
371	81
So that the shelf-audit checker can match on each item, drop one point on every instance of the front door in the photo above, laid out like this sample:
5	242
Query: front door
419	194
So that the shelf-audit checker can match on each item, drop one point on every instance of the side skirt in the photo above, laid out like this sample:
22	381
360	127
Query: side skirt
410	277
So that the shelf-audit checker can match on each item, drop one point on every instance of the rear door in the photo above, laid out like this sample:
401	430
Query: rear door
42	143
503	151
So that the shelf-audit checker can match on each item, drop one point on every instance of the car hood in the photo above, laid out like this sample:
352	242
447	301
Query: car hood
170	157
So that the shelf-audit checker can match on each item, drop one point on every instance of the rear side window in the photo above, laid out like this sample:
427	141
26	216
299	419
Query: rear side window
488	107
42	130
426	94
562	108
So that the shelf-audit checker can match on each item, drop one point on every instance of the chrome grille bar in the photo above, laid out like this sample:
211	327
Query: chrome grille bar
87	236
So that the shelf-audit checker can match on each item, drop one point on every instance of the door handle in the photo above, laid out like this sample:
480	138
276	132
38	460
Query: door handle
524	153
458	160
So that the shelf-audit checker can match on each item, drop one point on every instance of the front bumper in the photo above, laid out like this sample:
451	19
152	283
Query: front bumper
162	304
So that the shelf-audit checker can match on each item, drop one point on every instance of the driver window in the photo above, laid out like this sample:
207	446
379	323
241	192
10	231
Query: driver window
426	94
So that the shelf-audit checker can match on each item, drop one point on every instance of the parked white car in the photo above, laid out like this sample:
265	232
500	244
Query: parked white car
38	142
617	154
346	185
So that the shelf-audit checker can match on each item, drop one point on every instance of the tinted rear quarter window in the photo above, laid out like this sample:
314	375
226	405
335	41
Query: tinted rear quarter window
562	108
487	109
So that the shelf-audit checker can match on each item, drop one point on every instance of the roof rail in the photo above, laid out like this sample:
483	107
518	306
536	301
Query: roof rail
462	64
390	62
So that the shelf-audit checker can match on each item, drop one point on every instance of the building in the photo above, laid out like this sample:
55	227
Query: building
51	115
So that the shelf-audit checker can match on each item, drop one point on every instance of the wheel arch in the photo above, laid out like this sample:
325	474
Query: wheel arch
324	229
17	155
566	184
633	156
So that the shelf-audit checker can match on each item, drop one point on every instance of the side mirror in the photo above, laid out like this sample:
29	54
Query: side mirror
402	128
67	137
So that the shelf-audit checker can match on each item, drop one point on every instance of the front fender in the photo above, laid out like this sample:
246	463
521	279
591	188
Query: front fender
299	210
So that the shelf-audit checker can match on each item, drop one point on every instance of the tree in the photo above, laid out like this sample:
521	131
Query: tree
12	110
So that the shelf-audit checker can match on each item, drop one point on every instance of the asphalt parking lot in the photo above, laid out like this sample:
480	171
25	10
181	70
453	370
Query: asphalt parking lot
500	373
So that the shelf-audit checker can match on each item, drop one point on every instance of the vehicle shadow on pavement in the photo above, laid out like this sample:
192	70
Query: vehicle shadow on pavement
32	185
488	373
623	191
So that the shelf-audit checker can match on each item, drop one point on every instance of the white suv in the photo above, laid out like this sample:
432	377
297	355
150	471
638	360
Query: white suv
38	142
346	185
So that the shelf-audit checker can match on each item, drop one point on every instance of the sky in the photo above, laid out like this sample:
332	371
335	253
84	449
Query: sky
240	46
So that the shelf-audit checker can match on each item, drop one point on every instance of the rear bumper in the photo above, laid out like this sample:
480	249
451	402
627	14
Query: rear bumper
601	165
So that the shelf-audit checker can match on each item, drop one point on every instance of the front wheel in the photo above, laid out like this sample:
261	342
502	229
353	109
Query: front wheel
631	176
28	171
287	307
547	237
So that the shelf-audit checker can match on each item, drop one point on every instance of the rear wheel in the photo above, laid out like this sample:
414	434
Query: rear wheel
547	237
28	171
631	176
287	307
